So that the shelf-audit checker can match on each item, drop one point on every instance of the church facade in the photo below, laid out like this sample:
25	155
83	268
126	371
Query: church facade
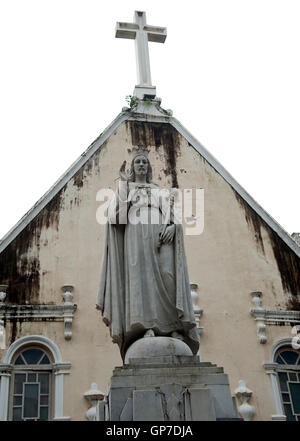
243	267
56	354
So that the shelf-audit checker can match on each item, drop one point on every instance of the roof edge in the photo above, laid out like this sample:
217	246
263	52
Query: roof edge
60	183
284	235
85	156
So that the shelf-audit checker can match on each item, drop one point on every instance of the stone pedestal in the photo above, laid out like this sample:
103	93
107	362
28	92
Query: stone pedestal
168	388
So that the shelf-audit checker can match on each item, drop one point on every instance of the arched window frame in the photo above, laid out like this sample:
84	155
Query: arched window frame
272	369
58	367
29	374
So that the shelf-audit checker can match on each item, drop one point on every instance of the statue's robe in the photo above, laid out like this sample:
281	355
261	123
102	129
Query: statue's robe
143	285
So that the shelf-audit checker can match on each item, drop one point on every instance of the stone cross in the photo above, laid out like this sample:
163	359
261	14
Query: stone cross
142	33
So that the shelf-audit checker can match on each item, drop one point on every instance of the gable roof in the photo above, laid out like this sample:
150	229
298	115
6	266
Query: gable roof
153	114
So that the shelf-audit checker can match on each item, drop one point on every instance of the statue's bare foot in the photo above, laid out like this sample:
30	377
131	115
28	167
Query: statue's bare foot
149	333
177	335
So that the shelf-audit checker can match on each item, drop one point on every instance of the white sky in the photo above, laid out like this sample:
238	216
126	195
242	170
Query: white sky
229	70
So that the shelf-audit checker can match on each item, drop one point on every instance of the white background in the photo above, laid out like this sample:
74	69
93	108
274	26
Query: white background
229	70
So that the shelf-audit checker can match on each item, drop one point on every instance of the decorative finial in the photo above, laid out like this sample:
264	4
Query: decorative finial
67	294
244	394
93	396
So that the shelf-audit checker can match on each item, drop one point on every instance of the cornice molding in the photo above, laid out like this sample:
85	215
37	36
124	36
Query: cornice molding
55	313
276	317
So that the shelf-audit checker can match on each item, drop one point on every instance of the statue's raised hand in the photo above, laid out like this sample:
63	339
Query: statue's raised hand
122	172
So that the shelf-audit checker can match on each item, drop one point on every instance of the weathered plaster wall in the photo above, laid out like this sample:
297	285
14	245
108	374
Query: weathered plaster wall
236	254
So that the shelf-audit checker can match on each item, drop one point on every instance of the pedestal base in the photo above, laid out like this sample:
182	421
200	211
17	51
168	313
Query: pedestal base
168	388
143	92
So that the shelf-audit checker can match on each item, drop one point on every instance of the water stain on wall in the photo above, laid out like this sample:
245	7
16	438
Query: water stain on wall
287	261
19	262
146	134
253	220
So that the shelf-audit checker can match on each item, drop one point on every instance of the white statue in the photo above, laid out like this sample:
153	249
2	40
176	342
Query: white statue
144	285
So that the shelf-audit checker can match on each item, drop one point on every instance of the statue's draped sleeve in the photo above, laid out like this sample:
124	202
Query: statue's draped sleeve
184	303
111	293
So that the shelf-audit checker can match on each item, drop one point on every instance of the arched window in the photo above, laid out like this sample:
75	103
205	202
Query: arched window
31	385
32	380
288	372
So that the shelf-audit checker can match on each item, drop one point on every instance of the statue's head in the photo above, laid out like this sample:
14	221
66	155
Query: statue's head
140	165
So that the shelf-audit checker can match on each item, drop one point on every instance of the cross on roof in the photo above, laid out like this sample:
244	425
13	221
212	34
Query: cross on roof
142	33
